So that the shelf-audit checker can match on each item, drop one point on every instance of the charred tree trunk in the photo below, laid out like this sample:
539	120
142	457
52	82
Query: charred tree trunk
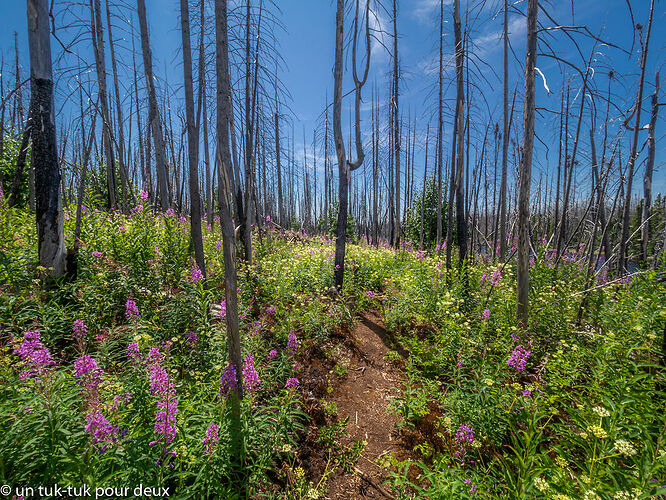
225	193
505	138
48	204
192	139
344	166
649	169
153	114
526	165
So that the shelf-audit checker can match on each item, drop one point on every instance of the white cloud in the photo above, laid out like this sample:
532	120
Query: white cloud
427	11
380	36
486	43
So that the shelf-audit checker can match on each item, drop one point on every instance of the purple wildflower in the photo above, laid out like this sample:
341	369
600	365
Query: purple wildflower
87	369
131	310
143	194
292	343
271	354
518	358
292	383
170	212
211	439
79	333
370	294
161	385
191	339
133	352
270	310
486	314
497	276
223	309
228	383
99	427
196	275
35	357
465	434
251	380
97	254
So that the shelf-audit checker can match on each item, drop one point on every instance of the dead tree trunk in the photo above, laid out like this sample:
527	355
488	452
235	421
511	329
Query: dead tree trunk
153	114
526	165
344	166
440	126
225	193
192	139
634	146
124	174
649	169
461	219
396	126
505	138
98	46
48	204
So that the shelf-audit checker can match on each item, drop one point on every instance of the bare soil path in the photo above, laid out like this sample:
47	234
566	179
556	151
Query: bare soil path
364	396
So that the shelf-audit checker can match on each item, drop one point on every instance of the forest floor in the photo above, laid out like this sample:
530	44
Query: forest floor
362	395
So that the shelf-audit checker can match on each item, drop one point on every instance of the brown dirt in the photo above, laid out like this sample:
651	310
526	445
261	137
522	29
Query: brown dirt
364	396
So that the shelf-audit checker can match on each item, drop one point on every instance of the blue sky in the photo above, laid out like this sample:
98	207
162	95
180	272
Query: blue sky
306	45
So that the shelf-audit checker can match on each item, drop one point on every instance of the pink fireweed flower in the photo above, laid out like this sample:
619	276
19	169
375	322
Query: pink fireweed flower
223	309
170	212
143	194
196	275
518	358
103	336
131	310
79	331
497	276
251	380
191	339
167	405
99	428
122	229
486	314
211	439
465	434
35	357
292	343
228	382
370	294
133	352
292	383
97	254
87	370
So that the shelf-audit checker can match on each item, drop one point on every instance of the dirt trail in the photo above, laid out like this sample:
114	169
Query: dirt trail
364	396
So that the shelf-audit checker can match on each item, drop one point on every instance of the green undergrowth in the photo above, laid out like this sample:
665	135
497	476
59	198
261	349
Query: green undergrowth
575	412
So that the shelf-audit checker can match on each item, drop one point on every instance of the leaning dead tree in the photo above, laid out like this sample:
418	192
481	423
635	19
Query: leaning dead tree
345	167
